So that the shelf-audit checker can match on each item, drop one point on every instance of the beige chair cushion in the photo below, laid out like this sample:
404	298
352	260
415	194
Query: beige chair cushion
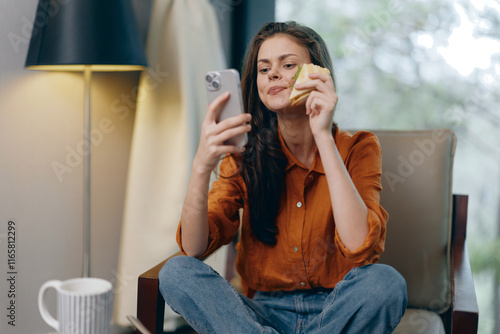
421	322
416	180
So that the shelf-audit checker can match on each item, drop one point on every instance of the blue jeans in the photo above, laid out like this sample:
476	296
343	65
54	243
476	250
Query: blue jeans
370	299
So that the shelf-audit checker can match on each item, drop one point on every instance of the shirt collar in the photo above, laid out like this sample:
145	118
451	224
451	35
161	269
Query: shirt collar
316	165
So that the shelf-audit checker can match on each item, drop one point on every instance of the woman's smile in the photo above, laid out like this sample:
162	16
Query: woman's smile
276	90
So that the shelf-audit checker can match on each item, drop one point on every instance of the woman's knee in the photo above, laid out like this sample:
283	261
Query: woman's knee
388	284
176	274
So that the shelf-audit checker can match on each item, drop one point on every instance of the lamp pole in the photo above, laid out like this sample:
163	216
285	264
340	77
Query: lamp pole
86	272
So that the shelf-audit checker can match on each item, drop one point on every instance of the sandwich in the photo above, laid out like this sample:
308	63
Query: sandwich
302	75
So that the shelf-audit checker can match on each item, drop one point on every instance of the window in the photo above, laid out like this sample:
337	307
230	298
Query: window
426	64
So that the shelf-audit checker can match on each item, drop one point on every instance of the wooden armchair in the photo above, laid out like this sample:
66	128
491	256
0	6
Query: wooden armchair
426	238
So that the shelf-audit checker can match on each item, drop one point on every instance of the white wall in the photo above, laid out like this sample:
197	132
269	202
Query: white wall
41	122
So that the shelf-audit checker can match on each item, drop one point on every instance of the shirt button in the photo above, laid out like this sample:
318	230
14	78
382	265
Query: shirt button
296	249
299	204
303	283
310	177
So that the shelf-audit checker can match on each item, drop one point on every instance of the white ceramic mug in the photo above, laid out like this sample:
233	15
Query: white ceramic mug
84	305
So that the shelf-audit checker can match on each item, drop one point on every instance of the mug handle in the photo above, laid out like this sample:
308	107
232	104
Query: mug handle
49	319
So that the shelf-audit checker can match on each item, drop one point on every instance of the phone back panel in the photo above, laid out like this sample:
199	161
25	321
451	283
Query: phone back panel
219	82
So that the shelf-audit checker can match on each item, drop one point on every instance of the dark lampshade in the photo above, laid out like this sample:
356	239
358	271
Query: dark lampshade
69	34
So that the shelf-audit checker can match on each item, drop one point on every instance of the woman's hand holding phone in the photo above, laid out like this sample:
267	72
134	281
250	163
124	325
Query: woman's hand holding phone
224	126
214	135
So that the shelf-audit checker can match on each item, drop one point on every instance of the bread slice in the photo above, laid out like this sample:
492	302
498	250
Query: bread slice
297	96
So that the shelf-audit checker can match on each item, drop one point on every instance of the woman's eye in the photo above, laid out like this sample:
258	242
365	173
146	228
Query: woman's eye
289	66
264	70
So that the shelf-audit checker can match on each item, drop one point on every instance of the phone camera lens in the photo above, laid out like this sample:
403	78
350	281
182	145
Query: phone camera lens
215	84
208	78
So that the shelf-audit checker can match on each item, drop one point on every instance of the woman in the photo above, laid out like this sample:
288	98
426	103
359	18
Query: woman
312	226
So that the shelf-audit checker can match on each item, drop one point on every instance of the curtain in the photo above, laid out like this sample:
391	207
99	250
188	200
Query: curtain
183	44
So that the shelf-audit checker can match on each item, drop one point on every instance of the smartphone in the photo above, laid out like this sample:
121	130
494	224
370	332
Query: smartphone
219	82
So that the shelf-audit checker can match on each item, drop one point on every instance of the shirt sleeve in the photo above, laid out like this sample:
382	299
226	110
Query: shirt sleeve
363	160
225	198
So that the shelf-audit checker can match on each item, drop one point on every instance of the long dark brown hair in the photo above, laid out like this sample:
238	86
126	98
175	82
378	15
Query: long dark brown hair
262	164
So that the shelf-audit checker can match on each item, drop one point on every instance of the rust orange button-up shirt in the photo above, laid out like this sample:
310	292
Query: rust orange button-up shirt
308	252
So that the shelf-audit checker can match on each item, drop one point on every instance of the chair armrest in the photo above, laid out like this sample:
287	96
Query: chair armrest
465	311
150	302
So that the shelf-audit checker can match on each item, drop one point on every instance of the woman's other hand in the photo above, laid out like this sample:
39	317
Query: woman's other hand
321	103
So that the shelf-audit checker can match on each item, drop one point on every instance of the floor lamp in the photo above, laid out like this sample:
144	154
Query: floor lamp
85	36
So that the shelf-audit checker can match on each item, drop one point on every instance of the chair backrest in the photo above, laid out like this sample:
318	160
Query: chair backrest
417	179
